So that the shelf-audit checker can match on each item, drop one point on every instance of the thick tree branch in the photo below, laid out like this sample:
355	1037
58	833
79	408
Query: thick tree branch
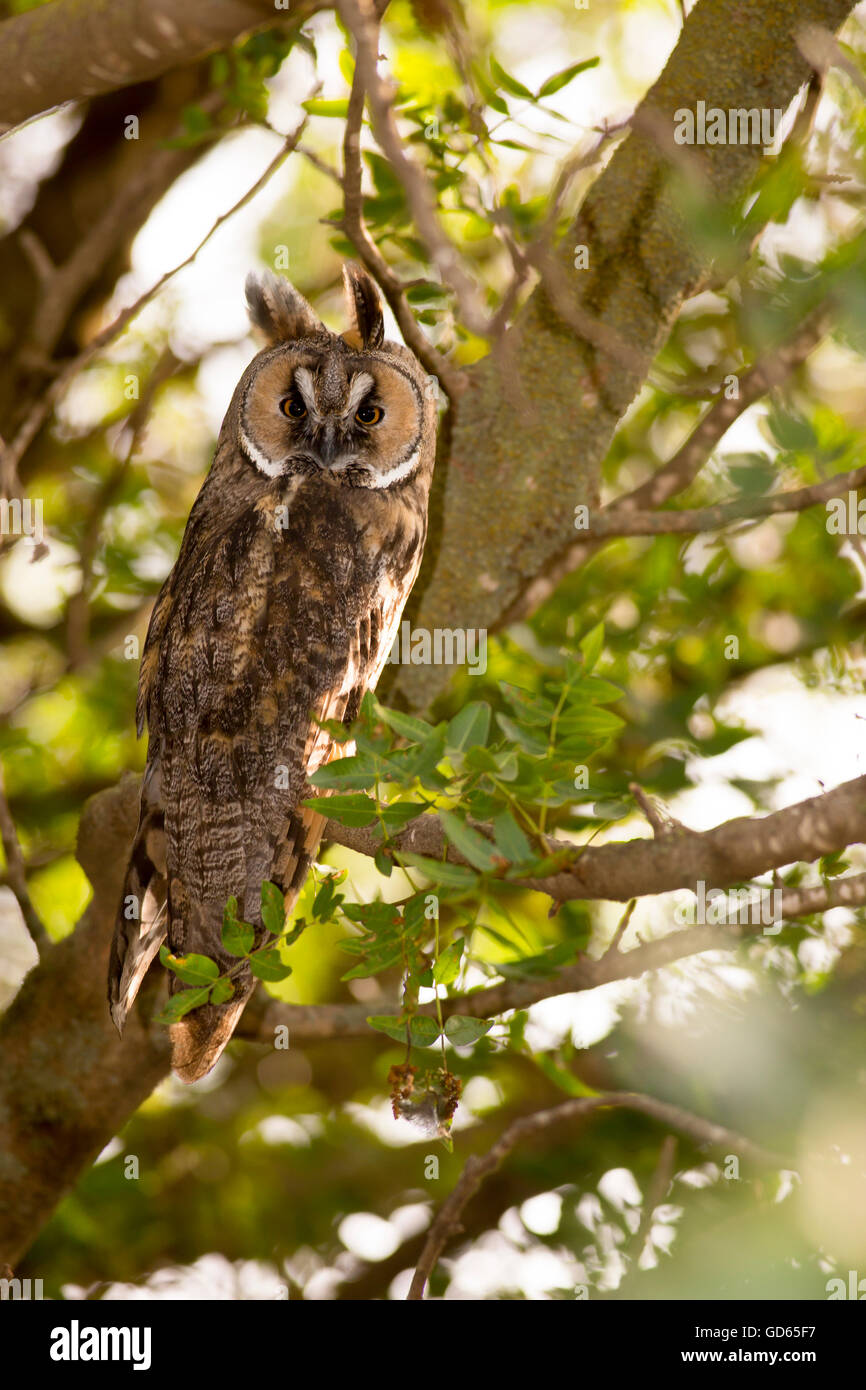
318	1021
67	1082
502	512
69	50
734	852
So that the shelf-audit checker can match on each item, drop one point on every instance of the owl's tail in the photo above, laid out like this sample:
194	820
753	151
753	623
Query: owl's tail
198	1039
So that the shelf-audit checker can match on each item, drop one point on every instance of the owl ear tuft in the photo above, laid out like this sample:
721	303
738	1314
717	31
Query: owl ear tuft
365	307
279	310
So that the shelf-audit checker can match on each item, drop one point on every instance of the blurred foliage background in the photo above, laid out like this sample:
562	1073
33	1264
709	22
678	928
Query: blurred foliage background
285	1171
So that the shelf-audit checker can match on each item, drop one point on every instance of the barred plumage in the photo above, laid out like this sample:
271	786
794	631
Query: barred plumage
298	556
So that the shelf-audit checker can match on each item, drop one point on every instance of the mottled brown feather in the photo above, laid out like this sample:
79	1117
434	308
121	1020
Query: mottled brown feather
280	611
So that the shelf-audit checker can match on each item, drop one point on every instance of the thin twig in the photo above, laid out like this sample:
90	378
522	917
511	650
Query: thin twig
359	16
16	449
661	820
446	1223
622	928
16	874
354	227
689	522
766	374
656	1192
77	612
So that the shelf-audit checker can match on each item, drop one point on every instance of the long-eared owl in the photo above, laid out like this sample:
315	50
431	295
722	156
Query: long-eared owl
298	556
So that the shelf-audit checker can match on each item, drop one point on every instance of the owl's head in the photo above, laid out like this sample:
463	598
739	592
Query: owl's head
350	409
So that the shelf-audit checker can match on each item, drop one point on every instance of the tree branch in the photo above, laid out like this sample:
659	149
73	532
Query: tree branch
505	509
68	50
446	1223
16	874
733	852
354	227
12	454
307	1022
360	17
688	522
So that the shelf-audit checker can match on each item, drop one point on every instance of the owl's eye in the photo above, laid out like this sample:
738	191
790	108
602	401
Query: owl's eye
294	407
368	414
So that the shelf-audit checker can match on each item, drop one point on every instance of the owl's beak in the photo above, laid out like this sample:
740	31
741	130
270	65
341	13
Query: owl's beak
328	446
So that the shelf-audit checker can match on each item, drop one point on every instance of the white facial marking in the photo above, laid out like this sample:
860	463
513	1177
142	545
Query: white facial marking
272	468
401	470
357	391
306	386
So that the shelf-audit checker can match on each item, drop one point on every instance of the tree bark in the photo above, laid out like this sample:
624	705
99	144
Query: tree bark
525	449
67	1082
74	49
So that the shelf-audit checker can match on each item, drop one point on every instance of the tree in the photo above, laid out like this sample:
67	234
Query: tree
595	334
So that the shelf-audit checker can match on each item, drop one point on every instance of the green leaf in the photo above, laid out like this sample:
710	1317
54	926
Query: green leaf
416	730
561	1076
471	845
533	710
562	79
384	863
510	83
469	728
481	760
447	966
222	990
268	965
423	1032
792	431
320	106
611	809
407	764
182	1003
540	966
359	771
398	814
590	645
352	809
529	742
449	875
347	66
326	900
192	969
510	839
237	936
273	908
461	1031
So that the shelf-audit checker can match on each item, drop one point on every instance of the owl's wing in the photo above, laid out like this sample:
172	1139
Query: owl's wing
142	921
253	642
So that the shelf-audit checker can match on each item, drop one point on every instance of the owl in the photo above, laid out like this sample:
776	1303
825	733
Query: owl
298	556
